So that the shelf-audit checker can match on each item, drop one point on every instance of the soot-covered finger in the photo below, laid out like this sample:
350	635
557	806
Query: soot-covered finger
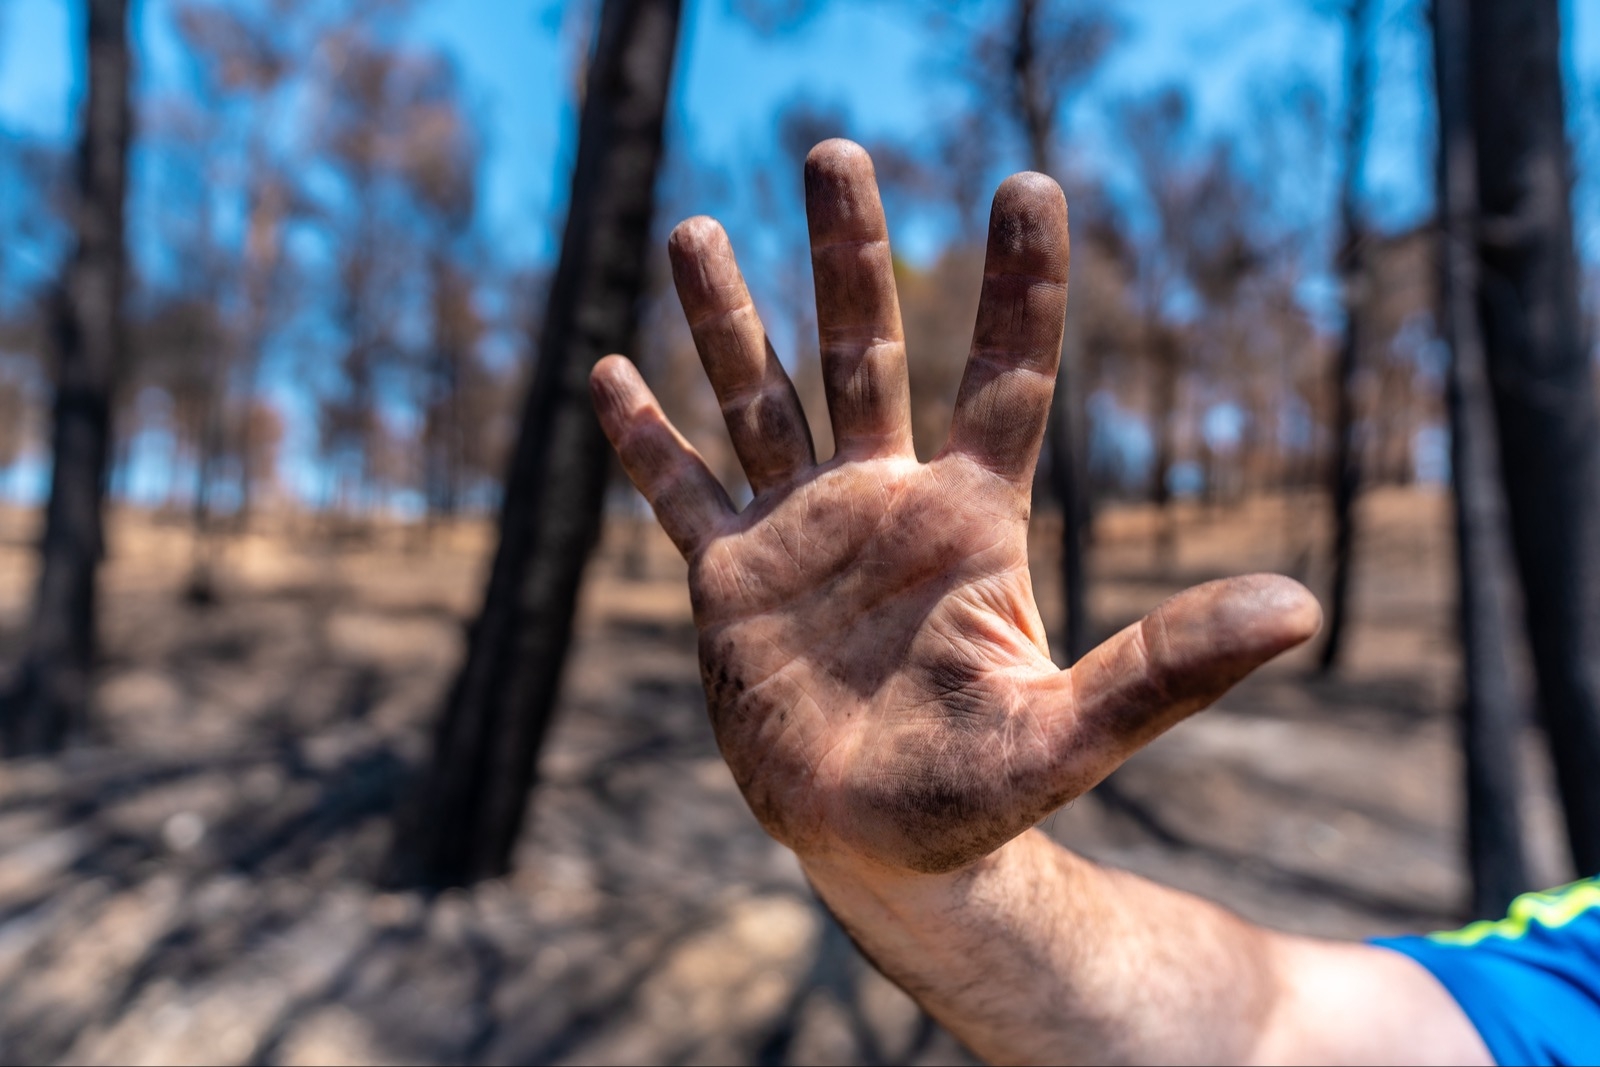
1004	400
759	402
1182	657
688	500
858	310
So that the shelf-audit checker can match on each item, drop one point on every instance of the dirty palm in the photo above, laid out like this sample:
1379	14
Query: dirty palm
876	670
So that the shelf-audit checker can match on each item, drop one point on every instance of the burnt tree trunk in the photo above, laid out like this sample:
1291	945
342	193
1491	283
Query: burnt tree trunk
1491	707
1069	483
1035	101
200	589
48	702
1346	470
1542	380
1164	345
488	740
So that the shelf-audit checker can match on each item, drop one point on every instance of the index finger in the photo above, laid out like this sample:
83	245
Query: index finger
1004	401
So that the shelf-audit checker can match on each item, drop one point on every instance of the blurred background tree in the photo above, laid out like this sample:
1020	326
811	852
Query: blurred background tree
1025	63
1492	711
486	752
49	698
1358	18
1541	374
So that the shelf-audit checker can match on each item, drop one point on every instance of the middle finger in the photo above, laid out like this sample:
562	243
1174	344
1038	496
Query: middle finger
858	312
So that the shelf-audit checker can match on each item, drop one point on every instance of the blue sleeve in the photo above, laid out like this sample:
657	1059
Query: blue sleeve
1530	982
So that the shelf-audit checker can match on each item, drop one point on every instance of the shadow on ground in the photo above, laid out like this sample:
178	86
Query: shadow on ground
199	885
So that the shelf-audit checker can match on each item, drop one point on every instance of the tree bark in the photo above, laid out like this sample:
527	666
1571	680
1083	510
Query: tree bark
48	702
1346	471
200	589
1164	346
487	745
1542	381
1491	707
1068	472
1069	482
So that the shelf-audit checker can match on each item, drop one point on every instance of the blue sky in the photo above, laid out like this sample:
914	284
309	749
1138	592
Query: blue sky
870	58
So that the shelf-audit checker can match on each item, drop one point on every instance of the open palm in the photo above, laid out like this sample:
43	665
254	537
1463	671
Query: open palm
875	667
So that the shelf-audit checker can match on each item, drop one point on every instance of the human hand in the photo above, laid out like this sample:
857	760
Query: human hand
875	667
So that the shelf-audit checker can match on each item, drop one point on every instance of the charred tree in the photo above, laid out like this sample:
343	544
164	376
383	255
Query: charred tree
1346	470
1037	60
487	745
48	702
1542	380
1024	61
1491	714
1164	346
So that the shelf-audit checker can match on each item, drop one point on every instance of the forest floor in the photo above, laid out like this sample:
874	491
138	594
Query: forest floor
197	884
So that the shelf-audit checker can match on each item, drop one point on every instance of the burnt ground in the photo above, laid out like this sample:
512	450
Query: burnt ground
197	884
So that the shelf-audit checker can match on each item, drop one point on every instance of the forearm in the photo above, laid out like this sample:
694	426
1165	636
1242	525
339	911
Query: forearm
1036	955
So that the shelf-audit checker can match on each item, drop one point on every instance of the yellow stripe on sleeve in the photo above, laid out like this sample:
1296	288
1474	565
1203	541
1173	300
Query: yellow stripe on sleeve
1551	909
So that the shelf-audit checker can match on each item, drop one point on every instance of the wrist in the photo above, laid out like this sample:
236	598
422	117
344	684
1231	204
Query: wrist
999	922
851	883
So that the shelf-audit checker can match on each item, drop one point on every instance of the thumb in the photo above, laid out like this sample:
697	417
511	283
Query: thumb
1180	658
